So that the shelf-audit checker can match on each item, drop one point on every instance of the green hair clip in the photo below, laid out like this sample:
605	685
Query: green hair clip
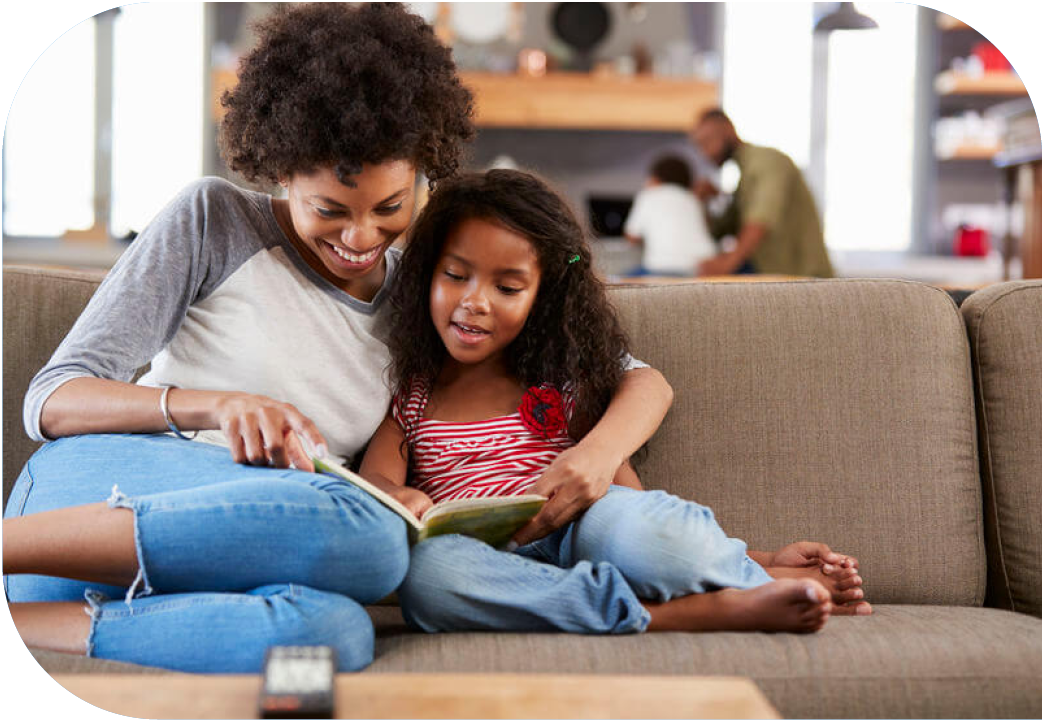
575	259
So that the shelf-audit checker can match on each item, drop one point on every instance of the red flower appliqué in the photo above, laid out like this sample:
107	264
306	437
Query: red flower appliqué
542	411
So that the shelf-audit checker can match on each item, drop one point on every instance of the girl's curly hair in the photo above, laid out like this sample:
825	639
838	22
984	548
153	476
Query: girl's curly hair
338	85
572	336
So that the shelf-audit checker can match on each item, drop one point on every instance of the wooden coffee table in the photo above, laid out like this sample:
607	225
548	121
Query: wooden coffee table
421	695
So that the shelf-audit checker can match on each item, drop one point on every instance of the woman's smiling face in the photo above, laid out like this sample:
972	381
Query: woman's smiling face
343	232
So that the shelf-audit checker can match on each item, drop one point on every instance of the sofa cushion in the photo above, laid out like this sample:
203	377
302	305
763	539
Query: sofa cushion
839	411
903	661
1005	330
40	305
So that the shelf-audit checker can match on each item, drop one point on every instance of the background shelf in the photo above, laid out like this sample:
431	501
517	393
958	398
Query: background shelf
994	83
947	22
571	101
589	102
972	152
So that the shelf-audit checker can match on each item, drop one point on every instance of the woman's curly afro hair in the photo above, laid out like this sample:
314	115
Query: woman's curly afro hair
572	336
338	85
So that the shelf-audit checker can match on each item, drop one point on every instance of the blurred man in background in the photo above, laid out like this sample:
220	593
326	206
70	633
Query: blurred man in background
772	214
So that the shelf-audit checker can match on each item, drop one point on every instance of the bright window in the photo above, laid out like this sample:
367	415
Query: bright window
158	101
768	55
158	105
767	74
49	143
869	154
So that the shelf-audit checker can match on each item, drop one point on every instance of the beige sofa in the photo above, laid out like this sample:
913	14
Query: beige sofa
873	415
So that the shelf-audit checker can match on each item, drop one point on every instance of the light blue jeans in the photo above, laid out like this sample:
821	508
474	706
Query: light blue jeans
232	558
587	577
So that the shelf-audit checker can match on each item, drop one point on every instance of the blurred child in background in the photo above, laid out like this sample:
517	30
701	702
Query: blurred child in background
668	220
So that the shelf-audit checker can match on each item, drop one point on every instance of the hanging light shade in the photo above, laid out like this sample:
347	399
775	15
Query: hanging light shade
845	17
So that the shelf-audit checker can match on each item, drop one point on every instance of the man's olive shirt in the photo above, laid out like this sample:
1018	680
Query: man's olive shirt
773	193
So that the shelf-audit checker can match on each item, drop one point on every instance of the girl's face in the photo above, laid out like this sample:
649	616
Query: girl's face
484	286
344	232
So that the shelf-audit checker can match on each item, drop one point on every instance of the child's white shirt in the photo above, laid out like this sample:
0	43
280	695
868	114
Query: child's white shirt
671	222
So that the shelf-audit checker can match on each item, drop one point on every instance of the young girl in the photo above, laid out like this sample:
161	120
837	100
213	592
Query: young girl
505	351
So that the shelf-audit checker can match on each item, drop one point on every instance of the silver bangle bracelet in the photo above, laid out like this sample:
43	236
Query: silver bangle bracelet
169	420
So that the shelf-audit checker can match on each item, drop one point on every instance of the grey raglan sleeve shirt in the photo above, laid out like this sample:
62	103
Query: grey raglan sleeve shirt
142	301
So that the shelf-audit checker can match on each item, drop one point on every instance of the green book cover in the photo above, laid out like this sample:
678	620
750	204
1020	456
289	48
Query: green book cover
491	519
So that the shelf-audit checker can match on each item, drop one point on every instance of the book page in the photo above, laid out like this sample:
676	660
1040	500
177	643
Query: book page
327	466
450	506
493	520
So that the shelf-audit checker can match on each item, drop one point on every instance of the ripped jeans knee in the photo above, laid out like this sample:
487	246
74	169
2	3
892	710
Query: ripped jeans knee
266	528
118	500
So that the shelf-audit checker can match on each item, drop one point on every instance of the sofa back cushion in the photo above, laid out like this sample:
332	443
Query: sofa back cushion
839	411
40	306
1005	330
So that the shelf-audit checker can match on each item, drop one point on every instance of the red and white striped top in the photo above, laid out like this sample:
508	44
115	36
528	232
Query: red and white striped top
497	456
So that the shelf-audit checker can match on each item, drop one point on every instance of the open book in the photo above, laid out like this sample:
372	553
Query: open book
492	519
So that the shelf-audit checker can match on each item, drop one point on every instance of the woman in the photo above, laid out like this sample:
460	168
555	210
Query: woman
263	321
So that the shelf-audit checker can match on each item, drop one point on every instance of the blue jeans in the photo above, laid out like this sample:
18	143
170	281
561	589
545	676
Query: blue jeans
232	558
587	577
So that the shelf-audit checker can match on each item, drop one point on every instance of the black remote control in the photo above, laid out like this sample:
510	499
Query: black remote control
298	682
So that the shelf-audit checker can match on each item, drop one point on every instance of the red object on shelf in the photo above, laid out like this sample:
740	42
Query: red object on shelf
971	241
991	59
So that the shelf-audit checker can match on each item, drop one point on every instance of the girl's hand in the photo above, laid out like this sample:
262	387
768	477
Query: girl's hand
417	501
810	554
262	431
575	480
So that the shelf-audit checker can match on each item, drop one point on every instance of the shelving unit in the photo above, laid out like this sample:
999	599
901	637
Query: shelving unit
987	88
973	91
974	173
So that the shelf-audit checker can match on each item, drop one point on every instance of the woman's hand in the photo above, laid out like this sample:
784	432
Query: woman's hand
417	501
263	431
575	480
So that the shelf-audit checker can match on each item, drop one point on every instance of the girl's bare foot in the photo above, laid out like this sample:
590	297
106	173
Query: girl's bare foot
786	605
843	584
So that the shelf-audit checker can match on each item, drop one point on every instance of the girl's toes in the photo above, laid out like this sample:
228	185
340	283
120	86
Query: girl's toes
846	573
849	583
820	616
848	596
816	592
856	607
